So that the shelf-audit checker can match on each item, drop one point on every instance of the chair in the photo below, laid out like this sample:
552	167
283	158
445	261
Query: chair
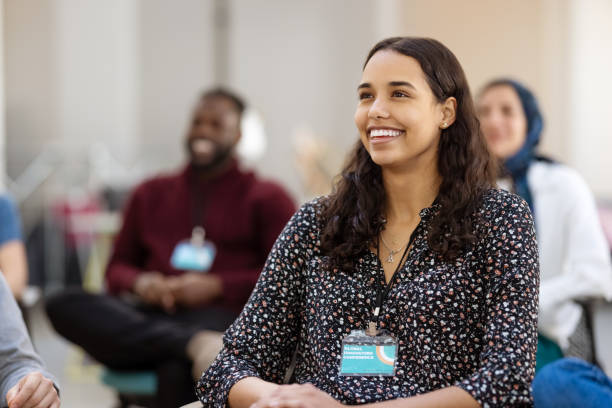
133	387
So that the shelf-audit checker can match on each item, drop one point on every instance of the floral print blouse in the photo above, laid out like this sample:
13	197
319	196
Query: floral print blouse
469	323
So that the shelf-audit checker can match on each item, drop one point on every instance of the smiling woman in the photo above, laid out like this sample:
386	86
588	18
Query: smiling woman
447	310
398	111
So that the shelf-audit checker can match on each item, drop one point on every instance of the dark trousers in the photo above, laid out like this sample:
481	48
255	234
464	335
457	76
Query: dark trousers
126	336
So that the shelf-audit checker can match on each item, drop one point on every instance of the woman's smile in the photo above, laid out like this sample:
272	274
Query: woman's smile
377	135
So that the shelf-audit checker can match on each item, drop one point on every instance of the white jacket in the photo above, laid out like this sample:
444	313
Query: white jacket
574	254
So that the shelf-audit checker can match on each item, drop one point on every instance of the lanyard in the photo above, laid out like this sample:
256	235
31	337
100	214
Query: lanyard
199	204
383	291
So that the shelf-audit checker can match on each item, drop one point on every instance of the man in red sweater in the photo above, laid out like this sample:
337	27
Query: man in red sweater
174	310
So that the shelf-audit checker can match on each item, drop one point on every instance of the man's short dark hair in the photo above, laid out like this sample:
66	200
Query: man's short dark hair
220	92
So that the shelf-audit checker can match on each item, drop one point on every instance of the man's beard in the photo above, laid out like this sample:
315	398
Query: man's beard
221	155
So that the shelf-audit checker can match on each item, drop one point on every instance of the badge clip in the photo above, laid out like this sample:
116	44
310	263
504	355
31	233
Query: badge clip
372	330
197	236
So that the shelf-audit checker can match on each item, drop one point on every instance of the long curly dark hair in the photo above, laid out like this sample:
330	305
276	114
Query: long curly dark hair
352	216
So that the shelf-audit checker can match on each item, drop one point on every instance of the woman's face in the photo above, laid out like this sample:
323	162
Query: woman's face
502	120
398	116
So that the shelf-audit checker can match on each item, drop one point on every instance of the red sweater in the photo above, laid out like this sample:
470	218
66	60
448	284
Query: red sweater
241	214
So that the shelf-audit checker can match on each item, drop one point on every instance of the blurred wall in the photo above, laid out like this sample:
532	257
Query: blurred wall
124	73
522	39
299	64
2	98
559	48
30	77
176	43
590	87
128	72
97	74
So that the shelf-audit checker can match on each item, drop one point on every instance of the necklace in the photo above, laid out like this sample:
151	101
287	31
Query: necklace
391	251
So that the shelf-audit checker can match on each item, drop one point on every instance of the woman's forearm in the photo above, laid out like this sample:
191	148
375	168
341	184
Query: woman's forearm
454	397
248	390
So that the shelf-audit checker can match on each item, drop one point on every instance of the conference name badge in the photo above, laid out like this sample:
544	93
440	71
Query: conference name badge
366	355
195	254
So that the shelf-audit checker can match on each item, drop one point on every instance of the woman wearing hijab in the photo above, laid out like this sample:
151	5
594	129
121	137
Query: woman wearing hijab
574	255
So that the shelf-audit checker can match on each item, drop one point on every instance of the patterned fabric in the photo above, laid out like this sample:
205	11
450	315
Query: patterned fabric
469	323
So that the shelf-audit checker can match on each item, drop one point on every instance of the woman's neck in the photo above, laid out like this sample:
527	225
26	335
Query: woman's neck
408	192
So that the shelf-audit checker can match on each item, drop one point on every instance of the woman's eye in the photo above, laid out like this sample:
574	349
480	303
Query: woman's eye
365	95
400	94
508	111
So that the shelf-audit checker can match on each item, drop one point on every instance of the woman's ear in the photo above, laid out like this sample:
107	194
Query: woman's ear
449	112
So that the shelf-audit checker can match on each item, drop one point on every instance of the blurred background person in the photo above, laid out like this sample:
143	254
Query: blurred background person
13	263
178	314
24	380
574	254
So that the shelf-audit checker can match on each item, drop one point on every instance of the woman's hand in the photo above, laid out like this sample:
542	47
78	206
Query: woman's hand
297	396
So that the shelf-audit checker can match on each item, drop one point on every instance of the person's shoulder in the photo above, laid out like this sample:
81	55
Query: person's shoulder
158	183
497	203
503	216
10	228
263	188
557	177
315	205
265	194
7	205
310	212
500	198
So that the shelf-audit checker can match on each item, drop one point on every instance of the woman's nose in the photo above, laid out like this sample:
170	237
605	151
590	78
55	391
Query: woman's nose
378	110
496	117
490	120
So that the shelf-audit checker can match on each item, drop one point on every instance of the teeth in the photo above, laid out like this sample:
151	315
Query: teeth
384	132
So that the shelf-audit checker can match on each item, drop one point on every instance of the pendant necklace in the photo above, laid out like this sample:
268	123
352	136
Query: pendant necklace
391	251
